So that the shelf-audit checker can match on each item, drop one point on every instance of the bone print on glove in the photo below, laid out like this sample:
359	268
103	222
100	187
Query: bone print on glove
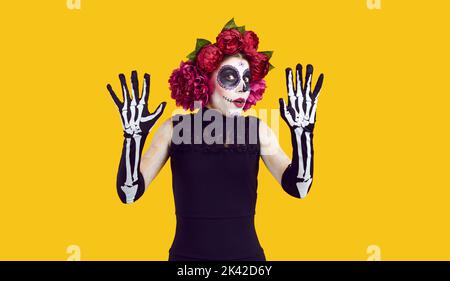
300	115
137	123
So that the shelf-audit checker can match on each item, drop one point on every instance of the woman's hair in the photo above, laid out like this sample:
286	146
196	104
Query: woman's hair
190	82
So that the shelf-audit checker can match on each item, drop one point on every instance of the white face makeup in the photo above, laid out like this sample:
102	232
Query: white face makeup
231	86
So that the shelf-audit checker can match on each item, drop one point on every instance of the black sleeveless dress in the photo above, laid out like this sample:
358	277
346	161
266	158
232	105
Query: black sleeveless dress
215	187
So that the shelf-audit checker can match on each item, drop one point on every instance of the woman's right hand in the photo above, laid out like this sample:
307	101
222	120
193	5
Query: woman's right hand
135	117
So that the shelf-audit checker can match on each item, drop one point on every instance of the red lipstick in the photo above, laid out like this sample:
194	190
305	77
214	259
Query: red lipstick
239	102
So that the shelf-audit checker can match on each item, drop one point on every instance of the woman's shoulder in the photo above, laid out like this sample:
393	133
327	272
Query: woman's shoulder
178	117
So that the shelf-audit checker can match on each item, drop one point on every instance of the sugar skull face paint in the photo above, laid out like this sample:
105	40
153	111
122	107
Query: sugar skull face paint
229	78
231	85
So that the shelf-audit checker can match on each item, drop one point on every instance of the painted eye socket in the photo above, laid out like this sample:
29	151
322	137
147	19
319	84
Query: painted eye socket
228	77
247	76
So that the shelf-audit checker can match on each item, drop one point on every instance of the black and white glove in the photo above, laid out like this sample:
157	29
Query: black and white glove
300	115
137	123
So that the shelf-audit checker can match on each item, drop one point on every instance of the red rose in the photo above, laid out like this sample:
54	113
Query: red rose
251	42
259	65
229	41
188	85
209	58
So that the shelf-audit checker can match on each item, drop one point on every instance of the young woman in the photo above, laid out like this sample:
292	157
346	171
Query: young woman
215	151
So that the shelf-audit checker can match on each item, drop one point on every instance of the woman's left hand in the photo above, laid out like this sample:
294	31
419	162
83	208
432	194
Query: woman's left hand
302	103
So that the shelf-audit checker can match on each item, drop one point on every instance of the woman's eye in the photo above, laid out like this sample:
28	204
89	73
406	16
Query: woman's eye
228	77
231	77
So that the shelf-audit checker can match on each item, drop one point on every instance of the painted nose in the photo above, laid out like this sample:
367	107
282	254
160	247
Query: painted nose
245	87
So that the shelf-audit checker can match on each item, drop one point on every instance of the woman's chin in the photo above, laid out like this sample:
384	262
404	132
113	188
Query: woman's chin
235	111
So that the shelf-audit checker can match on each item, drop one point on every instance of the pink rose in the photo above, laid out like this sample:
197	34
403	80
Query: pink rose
257	89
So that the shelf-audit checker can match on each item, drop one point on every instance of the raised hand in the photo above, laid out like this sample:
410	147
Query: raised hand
302	102
136	119
137	123
300	115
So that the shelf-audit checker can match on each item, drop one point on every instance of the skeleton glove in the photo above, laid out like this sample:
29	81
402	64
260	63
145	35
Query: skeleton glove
300	115
137	123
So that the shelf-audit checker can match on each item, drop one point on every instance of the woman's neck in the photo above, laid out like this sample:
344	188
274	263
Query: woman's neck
227	113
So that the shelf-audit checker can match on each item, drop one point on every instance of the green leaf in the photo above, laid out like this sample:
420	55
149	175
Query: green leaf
199	44
192	55
241	29
267	53
271	66
229	25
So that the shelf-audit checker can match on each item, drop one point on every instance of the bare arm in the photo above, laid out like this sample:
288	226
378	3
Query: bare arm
272	155
158	153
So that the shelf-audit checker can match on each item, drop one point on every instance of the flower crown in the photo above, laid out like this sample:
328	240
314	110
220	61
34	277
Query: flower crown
189	82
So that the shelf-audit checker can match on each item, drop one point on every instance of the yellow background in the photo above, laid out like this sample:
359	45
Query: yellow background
381	139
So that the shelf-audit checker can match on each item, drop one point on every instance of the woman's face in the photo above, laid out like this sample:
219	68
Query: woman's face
230	84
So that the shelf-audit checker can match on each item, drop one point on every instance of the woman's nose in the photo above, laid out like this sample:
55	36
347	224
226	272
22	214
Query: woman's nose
245	87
